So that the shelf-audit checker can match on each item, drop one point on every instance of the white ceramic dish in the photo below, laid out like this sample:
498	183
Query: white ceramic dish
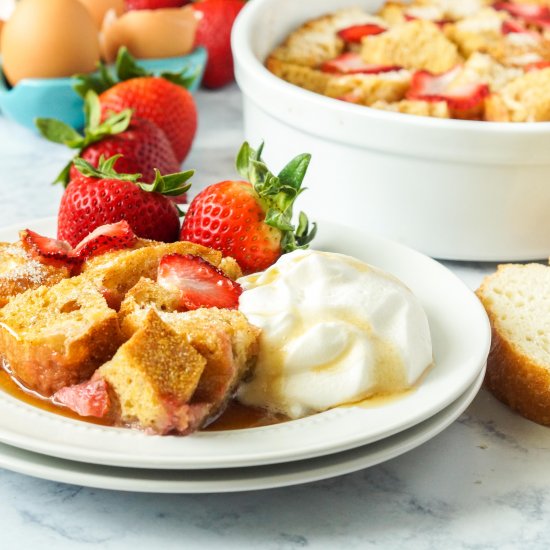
453	189
461	338
234	479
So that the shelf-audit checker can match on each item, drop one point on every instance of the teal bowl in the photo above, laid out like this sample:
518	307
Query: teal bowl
55	98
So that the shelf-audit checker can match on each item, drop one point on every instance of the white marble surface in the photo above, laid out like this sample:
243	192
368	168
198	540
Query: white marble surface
482	483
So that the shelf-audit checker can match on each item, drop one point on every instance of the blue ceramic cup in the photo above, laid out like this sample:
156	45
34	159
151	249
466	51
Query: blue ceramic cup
55	98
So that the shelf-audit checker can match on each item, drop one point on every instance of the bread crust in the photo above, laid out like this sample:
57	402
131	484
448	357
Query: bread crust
518	381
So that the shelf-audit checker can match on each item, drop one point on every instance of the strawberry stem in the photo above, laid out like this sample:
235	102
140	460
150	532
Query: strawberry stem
278	194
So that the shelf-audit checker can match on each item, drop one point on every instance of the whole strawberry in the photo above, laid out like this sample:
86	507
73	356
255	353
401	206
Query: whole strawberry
154	4
142	144
164	99
216	19
101	196
251	220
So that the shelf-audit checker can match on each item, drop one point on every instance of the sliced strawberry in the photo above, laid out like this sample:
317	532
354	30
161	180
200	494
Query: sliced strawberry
426	86
536	66
45	249
534	14
352	63
199	283
105	238
91	398
355	33
512	26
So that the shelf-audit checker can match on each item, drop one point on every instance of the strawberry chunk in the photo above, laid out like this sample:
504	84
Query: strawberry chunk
91	398
534	14
536	66
352	63
199	283
105	238
355	33
426	86
45	249
511	26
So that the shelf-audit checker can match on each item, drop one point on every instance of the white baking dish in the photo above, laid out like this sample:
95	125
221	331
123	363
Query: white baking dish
453	189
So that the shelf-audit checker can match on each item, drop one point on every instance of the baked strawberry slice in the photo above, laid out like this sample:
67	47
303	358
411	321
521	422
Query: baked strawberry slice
352	63
91	398
105	238
355	33
512	26
46	250
199	283
427	86
536	66
534	14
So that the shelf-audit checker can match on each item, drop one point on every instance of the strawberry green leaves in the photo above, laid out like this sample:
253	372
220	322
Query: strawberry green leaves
125	68
278	194
94	129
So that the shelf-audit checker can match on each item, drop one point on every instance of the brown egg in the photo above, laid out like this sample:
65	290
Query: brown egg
49	38
149	33
98	9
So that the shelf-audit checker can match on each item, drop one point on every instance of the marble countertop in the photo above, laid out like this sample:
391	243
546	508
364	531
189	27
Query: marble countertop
482	483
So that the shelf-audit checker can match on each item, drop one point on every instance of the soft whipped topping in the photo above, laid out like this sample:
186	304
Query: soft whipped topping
334	331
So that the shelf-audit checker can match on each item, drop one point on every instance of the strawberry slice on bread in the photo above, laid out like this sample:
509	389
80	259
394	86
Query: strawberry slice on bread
352	63
355	33
198	283
427	86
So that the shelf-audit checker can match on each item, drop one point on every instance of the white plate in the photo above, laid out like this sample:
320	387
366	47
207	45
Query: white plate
461	337
234	479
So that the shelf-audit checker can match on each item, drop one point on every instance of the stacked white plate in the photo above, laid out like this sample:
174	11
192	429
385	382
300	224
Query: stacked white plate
331	443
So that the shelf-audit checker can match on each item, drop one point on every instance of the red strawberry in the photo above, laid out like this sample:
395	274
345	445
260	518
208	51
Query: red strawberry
252	222
429	87
91	398
511	26
170	106
144	145
536	66
355	33
352	63
199	283
113	236
45	249
216	19
106	197
534	14
154	4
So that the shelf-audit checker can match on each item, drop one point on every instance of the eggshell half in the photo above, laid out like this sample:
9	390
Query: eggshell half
149	34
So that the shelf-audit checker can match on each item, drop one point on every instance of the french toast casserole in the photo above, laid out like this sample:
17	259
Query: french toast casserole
106	339
464	59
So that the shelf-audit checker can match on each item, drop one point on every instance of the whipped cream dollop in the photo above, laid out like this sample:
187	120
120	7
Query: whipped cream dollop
334	331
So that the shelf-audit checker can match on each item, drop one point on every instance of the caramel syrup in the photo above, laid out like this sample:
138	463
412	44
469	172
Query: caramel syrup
235	417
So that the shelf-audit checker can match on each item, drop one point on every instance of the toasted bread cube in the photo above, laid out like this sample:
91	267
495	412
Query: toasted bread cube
20	272
525	99
413	45
51	337
223	337
116	272
152	378
369	88
438	109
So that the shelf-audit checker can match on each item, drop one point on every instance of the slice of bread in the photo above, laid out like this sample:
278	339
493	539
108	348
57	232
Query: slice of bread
517	300
52	337
152	378
20	272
